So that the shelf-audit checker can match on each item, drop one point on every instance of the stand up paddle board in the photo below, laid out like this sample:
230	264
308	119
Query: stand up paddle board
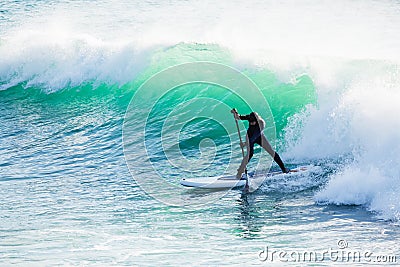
220	182
227	182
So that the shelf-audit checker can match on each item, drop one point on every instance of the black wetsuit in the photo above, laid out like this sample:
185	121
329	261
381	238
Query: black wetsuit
254	133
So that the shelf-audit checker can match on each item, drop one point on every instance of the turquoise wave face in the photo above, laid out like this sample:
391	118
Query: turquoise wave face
284	99
112	100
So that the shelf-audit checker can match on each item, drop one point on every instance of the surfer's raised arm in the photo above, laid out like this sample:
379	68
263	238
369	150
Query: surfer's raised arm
240	117
252	117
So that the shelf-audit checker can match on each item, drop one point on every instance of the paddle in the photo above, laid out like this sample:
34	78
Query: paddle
234	111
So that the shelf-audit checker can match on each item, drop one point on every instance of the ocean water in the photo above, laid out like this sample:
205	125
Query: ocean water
91	113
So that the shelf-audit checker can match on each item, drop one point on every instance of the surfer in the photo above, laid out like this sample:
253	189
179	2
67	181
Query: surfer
255	135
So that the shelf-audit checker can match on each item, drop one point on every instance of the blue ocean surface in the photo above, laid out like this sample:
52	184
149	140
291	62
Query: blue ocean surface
76	141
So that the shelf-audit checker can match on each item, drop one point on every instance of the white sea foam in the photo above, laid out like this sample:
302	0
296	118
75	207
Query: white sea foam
361	122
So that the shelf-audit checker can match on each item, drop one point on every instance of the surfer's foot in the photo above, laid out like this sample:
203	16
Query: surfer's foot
240	173
279	161
241	176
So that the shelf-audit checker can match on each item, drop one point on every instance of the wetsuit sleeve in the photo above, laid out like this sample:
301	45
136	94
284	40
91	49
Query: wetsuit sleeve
244	117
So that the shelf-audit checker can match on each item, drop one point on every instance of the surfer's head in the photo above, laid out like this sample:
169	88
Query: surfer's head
253	117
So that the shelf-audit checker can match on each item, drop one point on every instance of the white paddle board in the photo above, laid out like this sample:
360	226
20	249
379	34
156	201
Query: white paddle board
220	182
227	182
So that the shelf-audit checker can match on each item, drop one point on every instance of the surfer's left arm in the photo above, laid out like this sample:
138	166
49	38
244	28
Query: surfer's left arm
239	117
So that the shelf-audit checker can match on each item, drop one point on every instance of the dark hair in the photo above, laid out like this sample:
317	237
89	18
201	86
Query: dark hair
252	117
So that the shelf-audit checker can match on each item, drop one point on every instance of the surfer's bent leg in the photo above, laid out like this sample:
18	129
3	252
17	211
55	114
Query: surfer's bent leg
267	146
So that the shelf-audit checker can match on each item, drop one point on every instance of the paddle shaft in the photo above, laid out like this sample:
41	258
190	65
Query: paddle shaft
240	136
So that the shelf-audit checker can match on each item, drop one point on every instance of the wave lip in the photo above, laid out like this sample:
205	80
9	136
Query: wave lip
54	63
